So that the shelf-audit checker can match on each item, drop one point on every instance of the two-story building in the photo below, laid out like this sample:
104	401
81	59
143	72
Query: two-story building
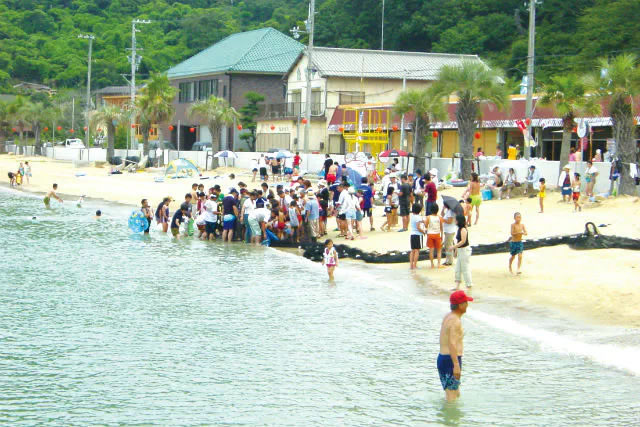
344	77
249	61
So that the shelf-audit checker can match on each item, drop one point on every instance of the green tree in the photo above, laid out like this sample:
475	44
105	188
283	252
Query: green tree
39	114
18	112
428	108
617	83
567	94
215	113
108	116
154	106
472	83
248	117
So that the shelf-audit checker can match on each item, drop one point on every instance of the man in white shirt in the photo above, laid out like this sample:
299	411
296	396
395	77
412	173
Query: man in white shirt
210	217
288	167
450	229
247	207
343	206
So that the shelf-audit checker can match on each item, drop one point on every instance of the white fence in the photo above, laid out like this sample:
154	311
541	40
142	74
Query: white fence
314	163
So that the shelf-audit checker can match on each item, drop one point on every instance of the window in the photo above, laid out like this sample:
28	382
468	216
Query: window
204	89
186	92
224	91
347	98
316	102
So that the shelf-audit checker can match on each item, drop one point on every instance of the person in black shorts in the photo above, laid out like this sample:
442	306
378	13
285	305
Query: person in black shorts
404	199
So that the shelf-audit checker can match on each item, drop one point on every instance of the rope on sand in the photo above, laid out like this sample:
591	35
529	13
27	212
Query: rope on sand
590	239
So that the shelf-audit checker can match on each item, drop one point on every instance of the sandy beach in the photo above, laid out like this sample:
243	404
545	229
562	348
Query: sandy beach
598	286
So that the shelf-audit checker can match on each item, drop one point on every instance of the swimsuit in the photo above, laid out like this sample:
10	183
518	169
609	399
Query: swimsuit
476	200
516	248
330	256
47	199
445	370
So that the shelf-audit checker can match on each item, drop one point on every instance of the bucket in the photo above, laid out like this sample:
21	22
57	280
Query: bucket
487	194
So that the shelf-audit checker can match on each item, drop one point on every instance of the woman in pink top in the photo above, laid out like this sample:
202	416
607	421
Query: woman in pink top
572	155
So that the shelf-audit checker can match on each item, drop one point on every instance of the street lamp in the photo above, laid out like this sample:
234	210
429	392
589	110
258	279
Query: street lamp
88	106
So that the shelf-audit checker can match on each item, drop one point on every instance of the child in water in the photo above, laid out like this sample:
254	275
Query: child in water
50	194
330	258
541	194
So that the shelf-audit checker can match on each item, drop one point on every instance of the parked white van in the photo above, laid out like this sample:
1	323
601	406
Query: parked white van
74	143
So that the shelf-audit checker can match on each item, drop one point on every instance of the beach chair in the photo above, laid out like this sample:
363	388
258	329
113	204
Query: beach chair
118	169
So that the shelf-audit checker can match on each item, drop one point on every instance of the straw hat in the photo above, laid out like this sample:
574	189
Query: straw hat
566	167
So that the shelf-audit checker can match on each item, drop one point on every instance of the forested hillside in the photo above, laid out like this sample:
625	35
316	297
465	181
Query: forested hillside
38	38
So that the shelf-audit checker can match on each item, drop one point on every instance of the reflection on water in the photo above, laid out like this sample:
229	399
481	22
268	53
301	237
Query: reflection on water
98	326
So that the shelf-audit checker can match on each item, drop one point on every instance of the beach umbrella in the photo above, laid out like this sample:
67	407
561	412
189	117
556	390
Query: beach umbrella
284	154
181	168
453	204
393	153
353	177
226	154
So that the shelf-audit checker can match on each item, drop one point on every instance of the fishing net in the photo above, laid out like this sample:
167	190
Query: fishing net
590	239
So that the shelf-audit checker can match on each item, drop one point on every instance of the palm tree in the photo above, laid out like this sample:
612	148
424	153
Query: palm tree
4	117
108	116
154	105
567	94
428	108
472	83
18	111
38	115
216	113
618	82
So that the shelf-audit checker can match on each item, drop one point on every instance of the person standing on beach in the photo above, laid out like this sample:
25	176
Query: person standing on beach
431	191
564	182
327	165
27	171
367	196
449	228
404	199
473	190
449	361
416	227
542	194
575	189
463	252
590	178
516	246
434	234
297	160
50	194
262	166
330	258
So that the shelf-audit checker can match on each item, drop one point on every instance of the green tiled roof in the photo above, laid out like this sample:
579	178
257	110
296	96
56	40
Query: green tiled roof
265	51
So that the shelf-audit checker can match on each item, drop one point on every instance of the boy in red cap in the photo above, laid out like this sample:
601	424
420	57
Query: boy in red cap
451	348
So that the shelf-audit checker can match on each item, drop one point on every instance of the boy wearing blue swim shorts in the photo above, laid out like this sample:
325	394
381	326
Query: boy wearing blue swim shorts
516	246
451	347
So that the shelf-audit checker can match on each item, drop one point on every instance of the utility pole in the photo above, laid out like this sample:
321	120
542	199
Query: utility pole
404	87
530	71
73	113
382	37
135	61
88	106
307	126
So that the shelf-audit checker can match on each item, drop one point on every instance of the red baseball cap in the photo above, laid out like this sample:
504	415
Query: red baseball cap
458	297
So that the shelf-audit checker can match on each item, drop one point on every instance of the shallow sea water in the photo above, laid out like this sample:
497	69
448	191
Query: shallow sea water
101	327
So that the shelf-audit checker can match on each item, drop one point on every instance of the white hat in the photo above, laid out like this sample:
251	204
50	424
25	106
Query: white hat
566	167
352	190
322	182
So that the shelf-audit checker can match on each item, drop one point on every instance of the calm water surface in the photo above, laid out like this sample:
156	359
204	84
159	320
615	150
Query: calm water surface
101	327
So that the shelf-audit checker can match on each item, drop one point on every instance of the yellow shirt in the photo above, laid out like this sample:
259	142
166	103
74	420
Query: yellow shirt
512	152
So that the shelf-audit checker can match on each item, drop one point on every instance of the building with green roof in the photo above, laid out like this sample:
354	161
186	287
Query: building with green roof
249	61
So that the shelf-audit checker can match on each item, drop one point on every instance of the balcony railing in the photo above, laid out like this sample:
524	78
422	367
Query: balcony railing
288	110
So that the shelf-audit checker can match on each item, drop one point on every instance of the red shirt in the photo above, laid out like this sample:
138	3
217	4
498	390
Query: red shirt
432	191
296	160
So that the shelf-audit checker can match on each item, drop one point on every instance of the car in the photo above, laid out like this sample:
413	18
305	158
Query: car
162	145
74	143
201	146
